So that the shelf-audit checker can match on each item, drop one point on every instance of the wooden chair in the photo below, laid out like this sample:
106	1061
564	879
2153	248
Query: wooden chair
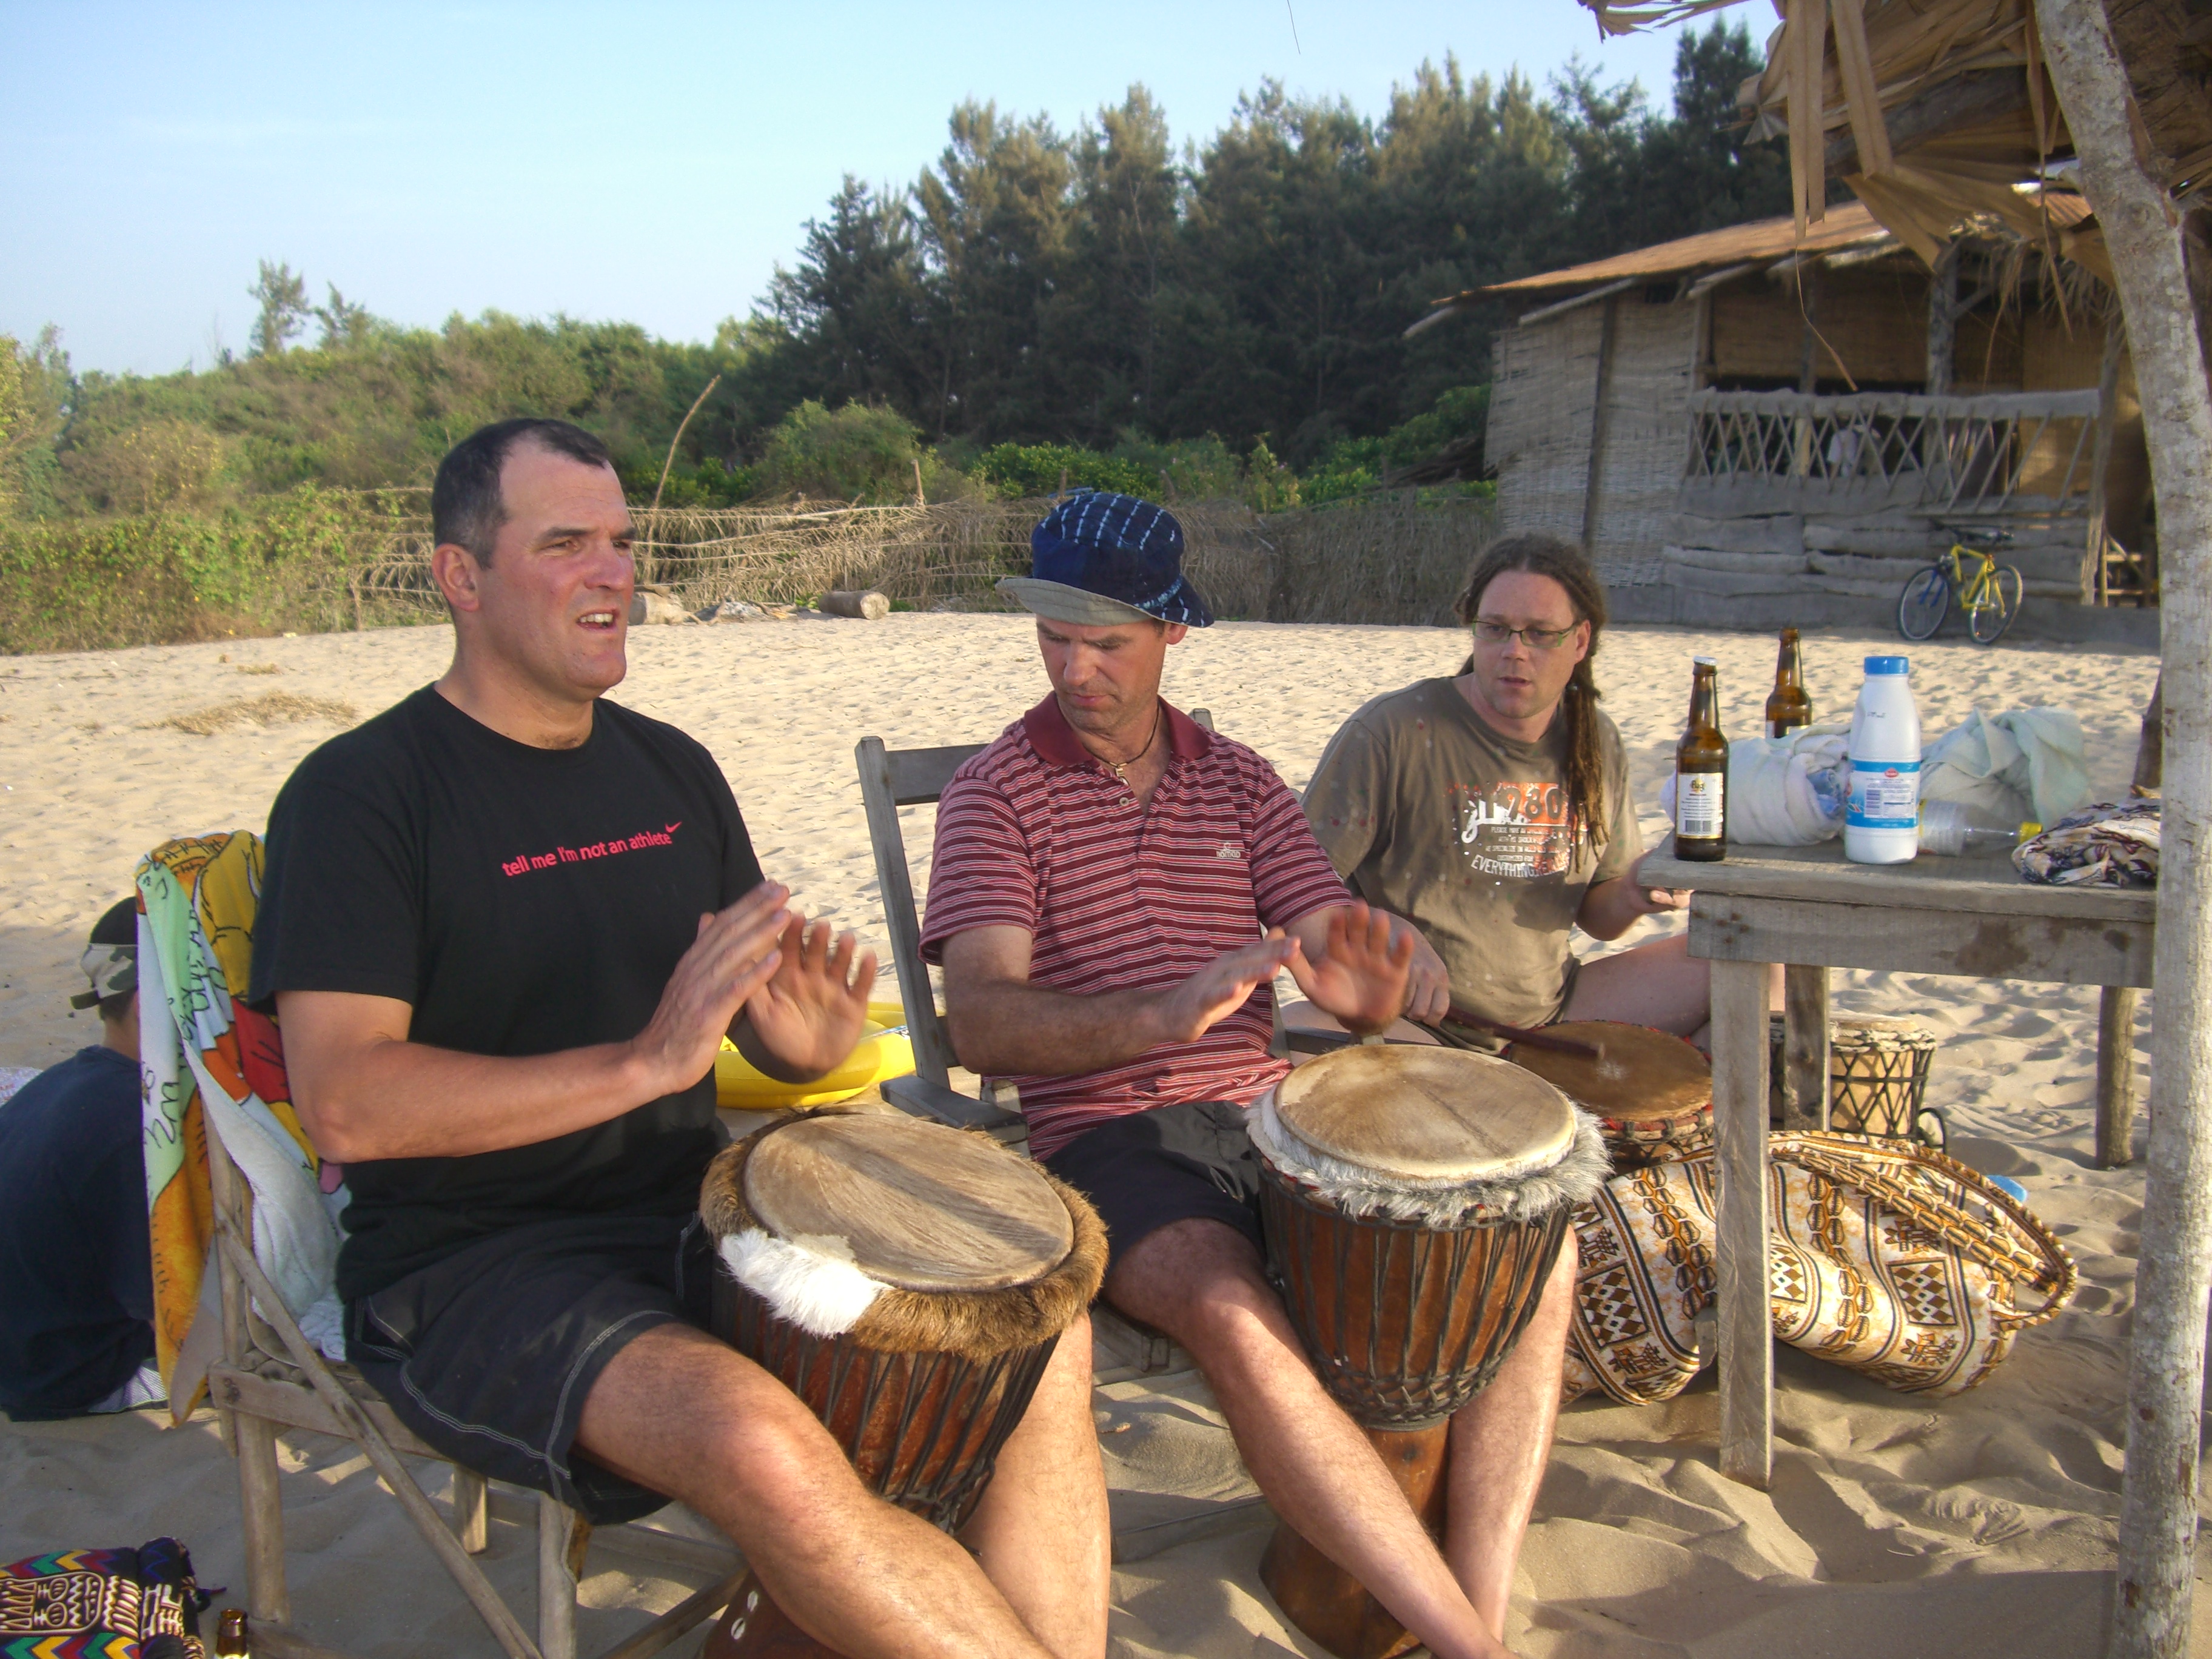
891	779
271	1378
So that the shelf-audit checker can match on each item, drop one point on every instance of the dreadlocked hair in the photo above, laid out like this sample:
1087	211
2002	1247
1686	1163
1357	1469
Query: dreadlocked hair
1563	562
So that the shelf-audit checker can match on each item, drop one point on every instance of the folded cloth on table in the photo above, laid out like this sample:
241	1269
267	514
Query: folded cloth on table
2110	844
2023	763
1784	792
204	1056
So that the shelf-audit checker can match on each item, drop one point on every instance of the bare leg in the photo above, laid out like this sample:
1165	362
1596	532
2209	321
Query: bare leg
1201	1283
1500	1441
1660	985
685	1414
1042	1531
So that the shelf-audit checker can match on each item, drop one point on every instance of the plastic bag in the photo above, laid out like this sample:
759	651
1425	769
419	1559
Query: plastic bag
2024	763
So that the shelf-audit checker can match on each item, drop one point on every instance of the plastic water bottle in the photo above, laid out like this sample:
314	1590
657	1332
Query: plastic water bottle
1883	824
1950	829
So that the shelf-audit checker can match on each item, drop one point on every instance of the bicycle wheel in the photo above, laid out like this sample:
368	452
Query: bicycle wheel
1925	604
1995	605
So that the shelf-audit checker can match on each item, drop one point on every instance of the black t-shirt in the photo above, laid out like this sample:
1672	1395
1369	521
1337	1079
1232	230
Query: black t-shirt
521	900
78	1307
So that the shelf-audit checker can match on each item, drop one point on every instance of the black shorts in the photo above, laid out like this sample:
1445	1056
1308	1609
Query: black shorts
489	1354
1172	1163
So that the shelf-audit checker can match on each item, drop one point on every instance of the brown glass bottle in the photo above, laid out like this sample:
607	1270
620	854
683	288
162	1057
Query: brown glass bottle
232	1637
1701	772
1787	707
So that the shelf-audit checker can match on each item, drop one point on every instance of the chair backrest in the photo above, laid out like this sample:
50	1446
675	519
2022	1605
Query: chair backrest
891	779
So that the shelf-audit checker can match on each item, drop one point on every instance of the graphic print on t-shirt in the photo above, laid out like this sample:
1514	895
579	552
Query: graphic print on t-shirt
1520	829
523	863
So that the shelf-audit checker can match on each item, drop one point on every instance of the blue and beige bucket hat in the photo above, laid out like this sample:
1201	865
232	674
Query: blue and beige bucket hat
1099	558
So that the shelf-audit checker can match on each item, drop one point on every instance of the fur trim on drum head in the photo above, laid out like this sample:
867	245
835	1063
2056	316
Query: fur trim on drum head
1575	1179
825	1294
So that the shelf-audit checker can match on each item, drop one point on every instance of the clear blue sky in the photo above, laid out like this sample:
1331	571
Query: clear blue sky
644	162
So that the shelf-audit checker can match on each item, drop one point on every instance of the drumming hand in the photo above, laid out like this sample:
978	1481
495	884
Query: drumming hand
808	1015
1217	990
734	954
1428	985
1362	968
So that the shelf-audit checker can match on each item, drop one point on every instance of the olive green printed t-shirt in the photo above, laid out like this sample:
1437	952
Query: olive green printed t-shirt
1428	813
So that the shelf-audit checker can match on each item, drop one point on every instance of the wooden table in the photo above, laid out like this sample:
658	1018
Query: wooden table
1811	909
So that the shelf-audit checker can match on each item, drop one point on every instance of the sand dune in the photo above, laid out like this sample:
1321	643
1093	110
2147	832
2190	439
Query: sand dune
1895	1527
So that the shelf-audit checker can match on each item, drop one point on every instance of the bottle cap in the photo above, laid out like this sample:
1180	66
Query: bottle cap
1887	665
2030	829
1707	662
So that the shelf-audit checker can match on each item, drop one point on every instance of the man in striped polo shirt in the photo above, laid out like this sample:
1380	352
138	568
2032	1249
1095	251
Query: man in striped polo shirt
1113	890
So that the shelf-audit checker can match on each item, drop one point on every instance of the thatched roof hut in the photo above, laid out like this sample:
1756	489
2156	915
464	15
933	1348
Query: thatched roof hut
1742	415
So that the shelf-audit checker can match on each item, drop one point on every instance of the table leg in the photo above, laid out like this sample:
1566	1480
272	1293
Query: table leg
1804	1047
2116	1075
1746	1329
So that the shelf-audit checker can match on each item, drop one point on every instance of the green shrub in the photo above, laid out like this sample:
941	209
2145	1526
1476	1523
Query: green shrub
1042	469
149	577
860	452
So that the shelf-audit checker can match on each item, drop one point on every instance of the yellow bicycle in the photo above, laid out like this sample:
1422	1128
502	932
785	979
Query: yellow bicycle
1990	595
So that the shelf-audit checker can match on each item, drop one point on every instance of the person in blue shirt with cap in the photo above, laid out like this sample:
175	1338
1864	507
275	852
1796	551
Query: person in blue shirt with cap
76	1332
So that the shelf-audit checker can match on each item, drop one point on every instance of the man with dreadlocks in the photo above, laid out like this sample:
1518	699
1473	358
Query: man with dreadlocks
1491	809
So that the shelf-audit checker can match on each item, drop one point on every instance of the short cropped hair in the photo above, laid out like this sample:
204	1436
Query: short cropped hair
465	505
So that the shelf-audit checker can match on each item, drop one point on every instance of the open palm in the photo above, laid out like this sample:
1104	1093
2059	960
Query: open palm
1358	975
810	1012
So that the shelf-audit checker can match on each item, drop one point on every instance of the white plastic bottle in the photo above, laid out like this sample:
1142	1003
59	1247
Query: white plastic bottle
1883	824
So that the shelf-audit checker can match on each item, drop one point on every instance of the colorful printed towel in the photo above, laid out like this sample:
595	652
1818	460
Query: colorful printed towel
113	1604
2110	844
212	1054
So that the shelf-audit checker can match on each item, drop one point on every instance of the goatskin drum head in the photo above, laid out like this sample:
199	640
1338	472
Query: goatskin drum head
917	1205
1427	1114
1638	1076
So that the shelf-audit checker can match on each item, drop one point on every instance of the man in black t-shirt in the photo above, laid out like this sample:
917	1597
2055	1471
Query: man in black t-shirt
506	924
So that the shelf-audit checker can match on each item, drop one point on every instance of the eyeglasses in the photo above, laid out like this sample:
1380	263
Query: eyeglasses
1536	639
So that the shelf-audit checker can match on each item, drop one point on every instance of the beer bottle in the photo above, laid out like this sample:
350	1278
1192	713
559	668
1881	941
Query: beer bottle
1788	708
232	1637
1701	760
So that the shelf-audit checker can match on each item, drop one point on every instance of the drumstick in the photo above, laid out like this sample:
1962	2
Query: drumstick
1573	1046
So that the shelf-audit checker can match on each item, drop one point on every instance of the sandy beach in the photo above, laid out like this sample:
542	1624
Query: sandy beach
1896	1526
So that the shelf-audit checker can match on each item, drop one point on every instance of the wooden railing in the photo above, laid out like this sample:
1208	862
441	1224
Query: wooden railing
1992	456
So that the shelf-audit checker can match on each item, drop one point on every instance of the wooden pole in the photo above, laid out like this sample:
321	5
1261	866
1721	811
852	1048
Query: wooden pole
1747	1323
2116	1075
1601	424
1805	1087
2173	1271
2095	580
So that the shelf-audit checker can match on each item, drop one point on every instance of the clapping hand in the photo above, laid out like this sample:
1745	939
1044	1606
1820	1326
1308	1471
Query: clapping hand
1361	973
809	1012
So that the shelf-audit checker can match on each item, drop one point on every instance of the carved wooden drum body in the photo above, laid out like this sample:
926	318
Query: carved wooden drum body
1415	1200
1651	1092
907	1280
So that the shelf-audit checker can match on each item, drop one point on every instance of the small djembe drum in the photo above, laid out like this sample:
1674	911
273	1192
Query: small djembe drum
1414	1200
909	1281
1650	1091
1877	1077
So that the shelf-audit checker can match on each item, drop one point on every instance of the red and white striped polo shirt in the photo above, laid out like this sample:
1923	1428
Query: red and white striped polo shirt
1037	833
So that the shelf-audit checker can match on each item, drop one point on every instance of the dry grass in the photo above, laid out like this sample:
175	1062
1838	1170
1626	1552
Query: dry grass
260	668
276	709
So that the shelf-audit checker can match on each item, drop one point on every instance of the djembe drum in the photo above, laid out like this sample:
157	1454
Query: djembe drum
909	1281
1651	1092
1877	1077
1414	1202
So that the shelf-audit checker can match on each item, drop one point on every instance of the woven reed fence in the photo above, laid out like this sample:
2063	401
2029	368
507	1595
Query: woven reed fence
1392	559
